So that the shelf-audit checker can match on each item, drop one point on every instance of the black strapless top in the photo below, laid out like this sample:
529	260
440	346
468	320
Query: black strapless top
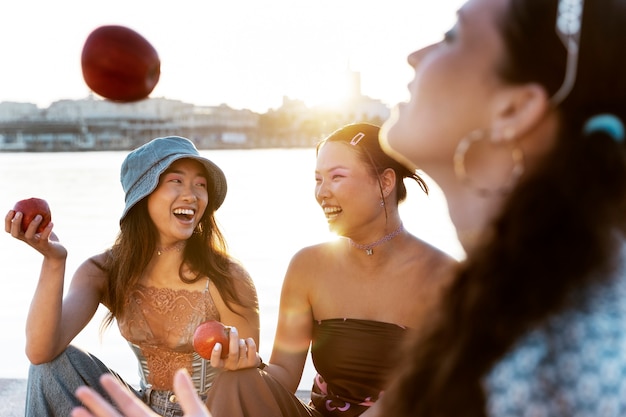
353	359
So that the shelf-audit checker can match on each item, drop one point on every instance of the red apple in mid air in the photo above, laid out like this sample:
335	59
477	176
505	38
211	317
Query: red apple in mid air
209	333
120	64
31	207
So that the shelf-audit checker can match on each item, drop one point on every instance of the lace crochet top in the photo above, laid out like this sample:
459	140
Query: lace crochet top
159	324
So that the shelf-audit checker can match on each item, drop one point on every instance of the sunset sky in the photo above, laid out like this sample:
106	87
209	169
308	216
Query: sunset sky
245	53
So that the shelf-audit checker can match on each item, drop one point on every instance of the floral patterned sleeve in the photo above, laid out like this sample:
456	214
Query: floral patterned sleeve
574	365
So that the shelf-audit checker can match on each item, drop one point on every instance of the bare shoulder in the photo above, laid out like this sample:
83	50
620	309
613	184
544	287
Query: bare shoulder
314	255
243	282
308	264
434	266
427	272
426	252
93	268
94	265
239	272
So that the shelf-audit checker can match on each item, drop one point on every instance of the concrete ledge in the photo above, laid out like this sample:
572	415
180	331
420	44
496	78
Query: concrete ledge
13	396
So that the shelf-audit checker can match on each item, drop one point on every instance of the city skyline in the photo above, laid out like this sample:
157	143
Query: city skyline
246	54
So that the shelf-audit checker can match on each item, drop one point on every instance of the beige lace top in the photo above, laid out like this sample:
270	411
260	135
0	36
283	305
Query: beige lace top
159	324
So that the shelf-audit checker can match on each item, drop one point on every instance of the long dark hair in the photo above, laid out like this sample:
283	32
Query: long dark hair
205	254
557	231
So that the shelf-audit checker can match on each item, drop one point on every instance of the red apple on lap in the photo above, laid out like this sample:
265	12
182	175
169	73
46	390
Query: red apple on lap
30	208
209	333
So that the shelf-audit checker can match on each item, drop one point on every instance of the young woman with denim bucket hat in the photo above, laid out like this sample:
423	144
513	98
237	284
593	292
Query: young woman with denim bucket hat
168	271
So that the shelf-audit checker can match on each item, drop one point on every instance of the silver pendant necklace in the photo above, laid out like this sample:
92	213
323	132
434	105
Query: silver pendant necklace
369	248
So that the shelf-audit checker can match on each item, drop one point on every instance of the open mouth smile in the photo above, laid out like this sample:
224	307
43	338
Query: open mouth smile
184	214
332	212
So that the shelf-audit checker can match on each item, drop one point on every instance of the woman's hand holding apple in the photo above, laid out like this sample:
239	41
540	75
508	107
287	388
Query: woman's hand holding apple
222	346
30	221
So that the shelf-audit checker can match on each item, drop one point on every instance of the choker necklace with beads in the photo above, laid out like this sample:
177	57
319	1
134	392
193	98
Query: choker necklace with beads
369	249
177	246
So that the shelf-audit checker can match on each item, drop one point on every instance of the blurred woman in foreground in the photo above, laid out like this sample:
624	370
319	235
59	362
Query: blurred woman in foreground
518	116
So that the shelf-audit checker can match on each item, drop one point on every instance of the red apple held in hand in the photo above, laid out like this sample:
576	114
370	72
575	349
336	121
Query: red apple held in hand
30	208
120	64
209	333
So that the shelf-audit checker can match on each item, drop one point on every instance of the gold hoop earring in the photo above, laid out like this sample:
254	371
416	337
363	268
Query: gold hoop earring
461	173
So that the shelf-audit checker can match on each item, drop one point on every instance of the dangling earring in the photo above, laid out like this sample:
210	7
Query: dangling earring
383	194
477	135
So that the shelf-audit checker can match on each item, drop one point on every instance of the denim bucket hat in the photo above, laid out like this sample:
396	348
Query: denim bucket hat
143	166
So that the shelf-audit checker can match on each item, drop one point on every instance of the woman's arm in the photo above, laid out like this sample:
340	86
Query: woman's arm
244	322
295	323
244	317
53	322
293	334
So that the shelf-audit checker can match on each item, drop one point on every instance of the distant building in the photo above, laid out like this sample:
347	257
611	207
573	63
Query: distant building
221	126
361	107
10	110
96	124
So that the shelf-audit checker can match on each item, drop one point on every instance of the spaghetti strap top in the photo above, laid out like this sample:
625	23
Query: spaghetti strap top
159	324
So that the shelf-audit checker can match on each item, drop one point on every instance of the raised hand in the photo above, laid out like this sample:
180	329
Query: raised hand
131	406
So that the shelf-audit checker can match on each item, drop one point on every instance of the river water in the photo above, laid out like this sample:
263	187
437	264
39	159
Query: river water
269	213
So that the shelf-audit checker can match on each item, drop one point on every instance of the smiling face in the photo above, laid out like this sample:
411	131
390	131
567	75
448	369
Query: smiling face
452	91
179	201
346	190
